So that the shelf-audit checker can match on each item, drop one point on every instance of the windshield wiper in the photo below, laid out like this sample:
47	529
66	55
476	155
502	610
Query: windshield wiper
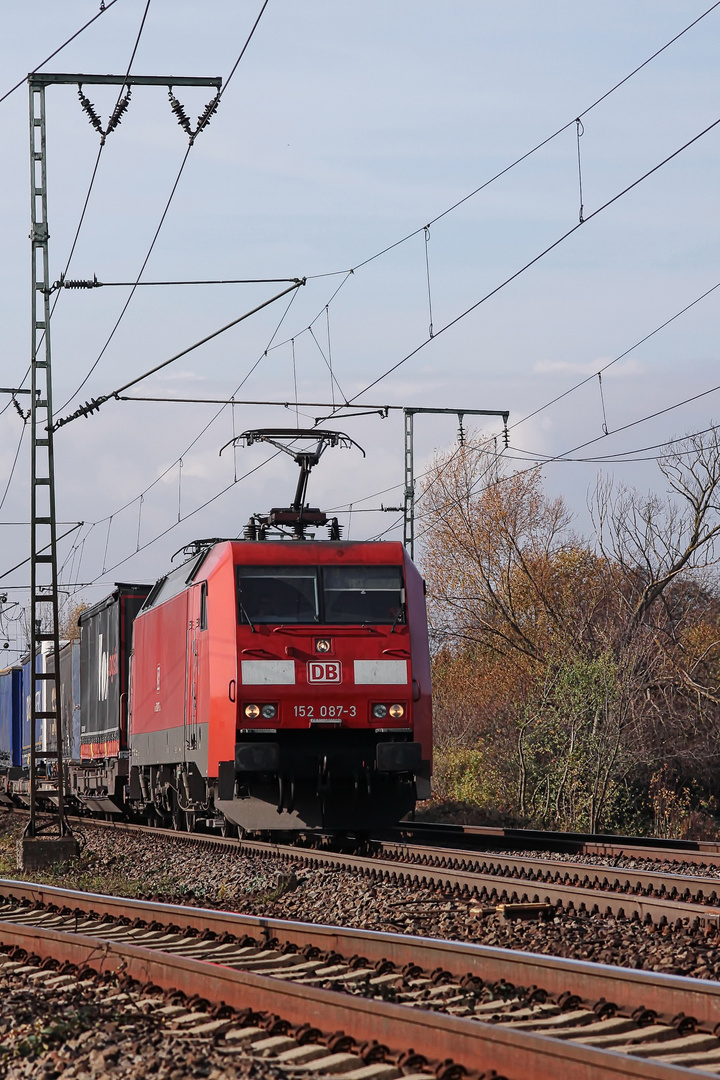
249	620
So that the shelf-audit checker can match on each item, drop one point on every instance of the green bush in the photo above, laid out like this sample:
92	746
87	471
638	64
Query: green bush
468	775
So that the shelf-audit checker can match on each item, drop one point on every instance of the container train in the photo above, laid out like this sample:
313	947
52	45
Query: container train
264	684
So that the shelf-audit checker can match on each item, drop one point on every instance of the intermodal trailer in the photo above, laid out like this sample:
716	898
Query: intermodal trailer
70	709
105	647
11	705
69	698
27	691
10	716
106	631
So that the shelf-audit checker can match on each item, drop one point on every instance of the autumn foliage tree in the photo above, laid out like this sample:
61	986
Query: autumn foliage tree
569	671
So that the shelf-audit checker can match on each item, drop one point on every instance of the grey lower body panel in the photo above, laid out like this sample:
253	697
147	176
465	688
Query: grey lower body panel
171	746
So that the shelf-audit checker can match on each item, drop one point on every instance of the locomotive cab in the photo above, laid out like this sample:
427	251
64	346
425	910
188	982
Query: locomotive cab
332	725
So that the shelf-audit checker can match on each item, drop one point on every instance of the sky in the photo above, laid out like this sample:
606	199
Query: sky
344	130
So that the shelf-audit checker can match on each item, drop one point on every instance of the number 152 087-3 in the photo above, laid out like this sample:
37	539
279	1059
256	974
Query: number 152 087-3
325	712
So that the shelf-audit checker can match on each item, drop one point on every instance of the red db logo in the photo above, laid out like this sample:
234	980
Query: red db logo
324	671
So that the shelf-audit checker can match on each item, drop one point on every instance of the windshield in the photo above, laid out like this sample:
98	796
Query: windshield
278	594
334	595
362	594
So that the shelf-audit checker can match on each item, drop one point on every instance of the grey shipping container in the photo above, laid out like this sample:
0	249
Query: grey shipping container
70	707
27	690
69	699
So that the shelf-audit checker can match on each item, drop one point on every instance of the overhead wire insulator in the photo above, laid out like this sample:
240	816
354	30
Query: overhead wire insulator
90	406
90	110
23	415
184	120
119	111
182	117
74	283
83	410
206	116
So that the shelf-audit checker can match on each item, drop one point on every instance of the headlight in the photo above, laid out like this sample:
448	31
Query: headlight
252	711
322	645
268	712
379	711
396	711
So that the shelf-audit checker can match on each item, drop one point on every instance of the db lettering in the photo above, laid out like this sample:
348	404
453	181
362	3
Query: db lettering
328	671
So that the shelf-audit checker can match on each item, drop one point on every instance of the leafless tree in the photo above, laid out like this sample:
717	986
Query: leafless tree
653	539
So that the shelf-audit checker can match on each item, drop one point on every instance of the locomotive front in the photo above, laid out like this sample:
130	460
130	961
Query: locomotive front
332	700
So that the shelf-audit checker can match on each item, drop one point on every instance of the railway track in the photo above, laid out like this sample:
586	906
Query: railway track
660	897
284	990
676	887
492	838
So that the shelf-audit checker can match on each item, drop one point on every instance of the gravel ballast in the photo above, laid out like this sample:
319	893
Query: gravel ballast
79	1032
164	868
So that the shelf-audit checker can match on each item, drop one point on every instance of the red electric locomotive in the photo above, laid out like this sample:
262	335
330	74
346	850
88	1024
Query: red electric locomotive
283	684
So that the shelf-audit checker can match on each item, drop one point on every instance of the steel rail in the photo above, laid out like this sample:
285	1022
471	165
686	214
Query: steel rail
484	837
475	1044
477	883
600	878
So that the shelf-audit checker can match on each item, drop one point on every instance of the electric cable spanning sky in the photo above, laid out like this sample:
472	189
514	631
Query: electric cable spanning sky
431	314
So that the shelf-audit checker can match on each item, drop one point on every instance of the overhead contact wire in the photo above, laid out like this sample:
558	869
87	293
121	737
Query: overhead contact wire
563	457
172	465
544	142
14	466
190	514
96	403
539	256
205	428
470	195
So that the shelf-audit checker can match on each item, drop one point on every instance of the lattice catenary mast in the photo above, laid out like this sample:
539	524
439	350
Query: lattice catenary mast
57	842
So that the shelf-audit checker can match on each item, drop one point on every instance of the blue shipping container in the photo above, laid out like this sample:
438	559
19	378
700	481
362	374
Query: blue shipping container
10	716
